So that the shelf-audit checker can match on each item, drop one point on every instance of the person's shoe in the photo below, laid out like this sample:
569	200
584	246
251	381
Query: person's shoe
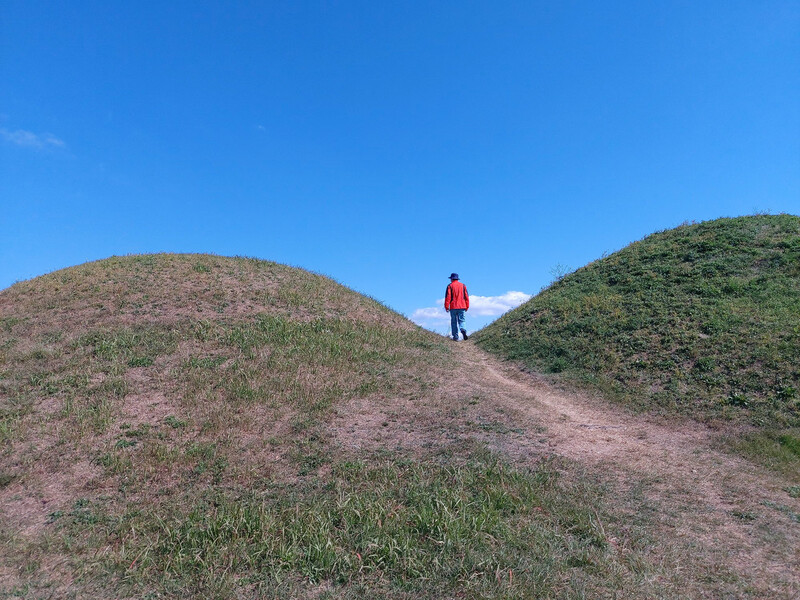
455	339
464	333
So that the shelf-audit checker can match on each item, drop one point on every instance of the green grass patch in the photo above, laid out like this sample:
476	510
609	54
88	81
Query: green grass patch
136	346
140	361
474	529
308	365
777	450
175	422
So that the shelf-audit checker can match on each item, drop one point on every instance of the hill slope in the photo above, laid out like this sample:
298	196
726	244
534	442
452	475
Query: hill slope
153	385
198	426
700	320
179	426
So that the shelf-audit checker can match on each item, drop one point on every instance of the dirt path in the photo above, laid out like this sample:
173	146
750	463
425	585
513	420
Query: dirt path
727	507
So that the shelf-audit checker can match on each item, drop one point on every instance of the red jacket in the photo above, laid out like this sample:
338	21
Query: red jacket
456	296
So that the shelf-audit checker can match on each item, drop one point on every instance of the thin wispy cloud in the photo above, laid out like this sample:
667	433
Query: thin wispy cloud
28	139
484	306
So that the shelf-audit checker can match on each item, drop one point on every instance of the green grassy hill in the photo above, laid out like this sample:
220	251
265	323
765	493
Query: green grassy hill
702	320
168	429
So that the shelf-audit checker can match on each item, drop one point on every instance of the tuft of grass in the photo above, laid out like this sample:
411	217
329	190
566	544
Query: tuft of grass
140	361
175	422
777	450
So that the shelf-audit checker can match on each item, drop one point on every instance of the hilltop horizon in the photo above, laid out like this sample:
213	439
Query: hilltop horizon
485	309
387	146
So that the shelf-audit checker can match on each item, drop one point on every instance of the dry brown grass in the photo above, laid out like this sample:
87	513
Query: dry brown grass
127	380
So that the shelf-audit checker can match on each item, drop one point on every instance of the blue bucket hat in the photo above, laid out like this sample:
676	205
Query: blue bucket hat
453	275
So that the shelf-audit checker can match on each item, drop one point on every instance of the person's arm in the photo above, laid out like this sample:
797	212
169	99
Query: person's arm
466	297
447	299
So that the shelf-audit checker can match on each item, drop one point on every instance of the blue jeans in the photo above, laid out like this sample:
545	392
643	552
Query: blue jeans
456	320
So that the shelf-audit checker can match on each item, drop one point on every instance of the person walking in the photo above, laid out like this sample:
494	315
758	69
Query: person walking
456	302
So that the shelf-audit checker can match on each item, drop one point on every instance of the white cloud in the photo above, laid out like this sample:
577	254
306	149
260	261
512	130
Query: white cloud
484	306
28	139
431	313
494	306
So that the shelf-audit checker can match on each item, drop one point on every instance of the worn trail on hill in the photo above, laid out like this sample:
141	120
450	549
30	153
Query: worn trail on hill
738	512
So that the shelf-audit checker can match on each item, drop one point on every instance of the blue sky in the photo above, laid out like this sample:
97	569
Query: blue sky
389	144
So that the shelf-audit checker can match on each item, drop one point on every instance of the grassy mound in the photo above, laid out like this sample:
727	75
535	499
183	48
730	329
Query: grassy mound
164	432
701	320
